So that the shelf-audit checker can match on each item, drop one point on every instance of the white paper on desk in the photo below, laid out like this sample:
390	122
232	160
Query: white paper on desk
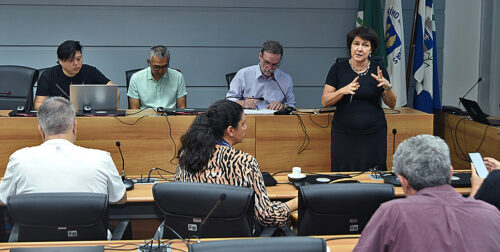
259	111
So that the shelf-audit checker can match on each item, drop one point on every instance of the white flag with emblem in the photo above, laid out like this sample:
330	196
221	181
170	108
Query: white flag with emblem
395	50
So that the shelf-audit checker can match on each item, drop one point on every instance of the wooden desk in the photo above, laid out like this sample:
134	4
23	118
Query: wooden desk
470	137
281	191
146	142
339	243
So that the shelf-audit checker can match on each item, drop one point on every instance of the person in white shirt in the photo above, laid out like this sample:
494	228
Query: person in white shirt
58	165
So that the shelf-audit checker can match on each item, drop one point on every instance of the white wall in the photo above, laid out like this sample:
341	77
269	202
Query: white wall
494	90
462	37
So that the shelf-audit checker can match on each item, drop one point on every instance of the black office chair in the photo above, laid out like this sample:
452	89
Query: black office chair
289	244
330	209
16	87
229	78
61	217
185	205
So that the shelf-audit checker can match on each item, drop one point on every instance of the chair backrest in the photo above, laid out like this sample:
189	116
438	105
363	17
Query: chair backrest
329	209
229	78
185	205
289	244
128	75
18	81
35	86
58	216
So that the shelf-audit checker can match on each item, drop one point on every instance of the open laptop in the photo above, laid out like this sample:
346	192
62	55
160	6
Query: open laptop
477	114
94	99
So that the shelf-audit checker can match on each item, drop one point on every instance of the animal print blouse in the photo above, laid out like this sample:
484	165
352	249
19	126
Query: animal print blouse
234	167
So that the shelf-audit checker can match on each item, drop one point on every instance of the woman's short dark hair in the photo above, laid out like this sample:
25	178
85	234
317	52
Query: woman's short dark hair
198	144
366	33
67	50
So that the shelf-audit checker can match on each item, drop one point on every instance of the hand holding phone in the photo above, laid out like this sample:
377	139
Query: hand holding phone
477	160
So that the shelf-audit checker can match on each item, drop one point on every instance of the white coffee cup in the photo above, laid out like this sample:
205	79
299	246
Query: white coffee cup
296	171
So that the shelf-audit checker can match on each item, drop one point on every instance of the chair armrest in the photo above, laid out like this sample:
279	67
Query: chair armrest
121	229
13	237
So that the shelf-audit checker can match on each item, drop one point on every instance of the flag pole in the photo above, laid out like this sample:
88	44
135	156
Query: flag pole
412	46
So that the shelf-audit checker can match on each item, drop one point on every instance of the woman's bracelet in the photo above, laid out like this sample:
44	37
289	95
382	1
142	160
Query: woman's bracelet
389	88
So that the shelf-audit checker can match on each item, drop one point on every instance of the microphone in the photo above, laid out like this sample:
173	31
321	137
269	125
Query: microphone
129	184
477	82
394	131
60	89
287	110
456	110
5	93
222	197
245	98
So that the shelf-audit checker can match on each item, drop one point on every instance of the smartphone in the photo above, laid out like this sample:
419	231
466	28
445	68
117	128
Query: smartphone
478	162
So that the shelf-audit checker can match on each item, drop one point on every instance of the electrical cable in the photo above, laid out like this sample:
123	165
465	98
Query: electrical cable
327	124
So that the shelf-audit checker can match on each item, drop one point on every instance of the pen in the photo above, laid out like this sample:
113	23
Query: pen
257	106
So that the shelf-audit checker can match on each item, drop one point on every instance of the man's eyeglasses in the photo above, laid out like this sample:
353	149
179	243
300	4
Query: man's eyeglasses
267	63
155	67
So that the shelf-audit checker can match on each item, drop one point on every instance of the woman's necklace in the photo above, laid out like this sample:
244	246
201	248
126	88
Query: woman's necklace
362	71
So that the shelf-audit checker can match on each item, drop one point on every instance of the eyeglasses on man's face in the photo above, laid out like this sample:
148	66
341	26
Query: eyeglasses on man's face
156	67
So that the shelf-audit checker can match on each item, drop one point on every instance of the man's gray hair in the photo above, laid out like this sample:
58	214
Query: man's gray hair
158	51
424	160
273	47
56	116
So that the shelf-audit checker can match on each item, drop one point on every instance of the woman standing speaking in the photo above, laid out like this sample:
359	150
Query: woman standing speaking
356	86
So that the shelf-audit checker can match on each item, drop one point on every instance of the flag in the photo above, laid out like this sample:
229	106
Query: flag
370	15
395	49
427	98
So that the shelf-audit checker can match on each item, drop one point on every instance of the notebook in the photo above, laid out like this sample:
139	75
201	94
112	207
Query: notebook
477	114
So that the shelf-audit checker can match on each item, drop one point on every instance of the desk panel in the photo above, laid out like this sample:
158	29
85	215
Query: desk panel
338	243
470	137
146	143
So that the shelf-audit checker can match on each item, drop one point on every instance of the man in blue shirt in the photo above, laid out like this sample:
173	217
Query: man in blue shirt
263	81
157	85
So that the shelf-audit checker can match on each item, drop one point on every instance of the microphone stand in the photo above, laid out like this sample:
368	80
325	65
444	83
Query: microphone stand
287	110
129	184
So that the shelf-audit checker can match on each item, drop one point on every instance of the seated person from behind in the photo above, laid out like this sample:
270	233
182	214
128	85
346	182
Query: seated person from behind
56	80
58	165
157	85
263	80
207	156
487	189
433	216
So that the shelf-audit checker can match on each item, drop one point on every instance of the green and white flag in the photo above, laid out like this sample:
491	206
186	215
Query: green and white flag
370	15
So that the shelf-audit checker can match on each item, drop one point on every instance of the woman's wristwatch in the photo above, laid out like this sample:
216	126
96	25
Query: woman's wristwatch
389	88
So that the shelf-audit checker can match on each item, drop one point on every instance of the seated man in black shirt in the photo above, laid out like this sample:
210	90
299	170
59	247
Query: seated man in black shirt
56	80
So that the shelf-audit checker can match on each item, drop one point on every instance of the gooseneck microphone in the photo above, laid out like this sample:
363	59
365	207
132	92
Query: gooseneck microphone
287	110
394	131
129	184
5	93
477	82
222	197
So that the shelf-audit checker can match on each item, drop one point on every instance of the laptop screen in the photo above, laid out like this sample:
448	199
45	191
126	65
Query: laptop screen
474	111
95	96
